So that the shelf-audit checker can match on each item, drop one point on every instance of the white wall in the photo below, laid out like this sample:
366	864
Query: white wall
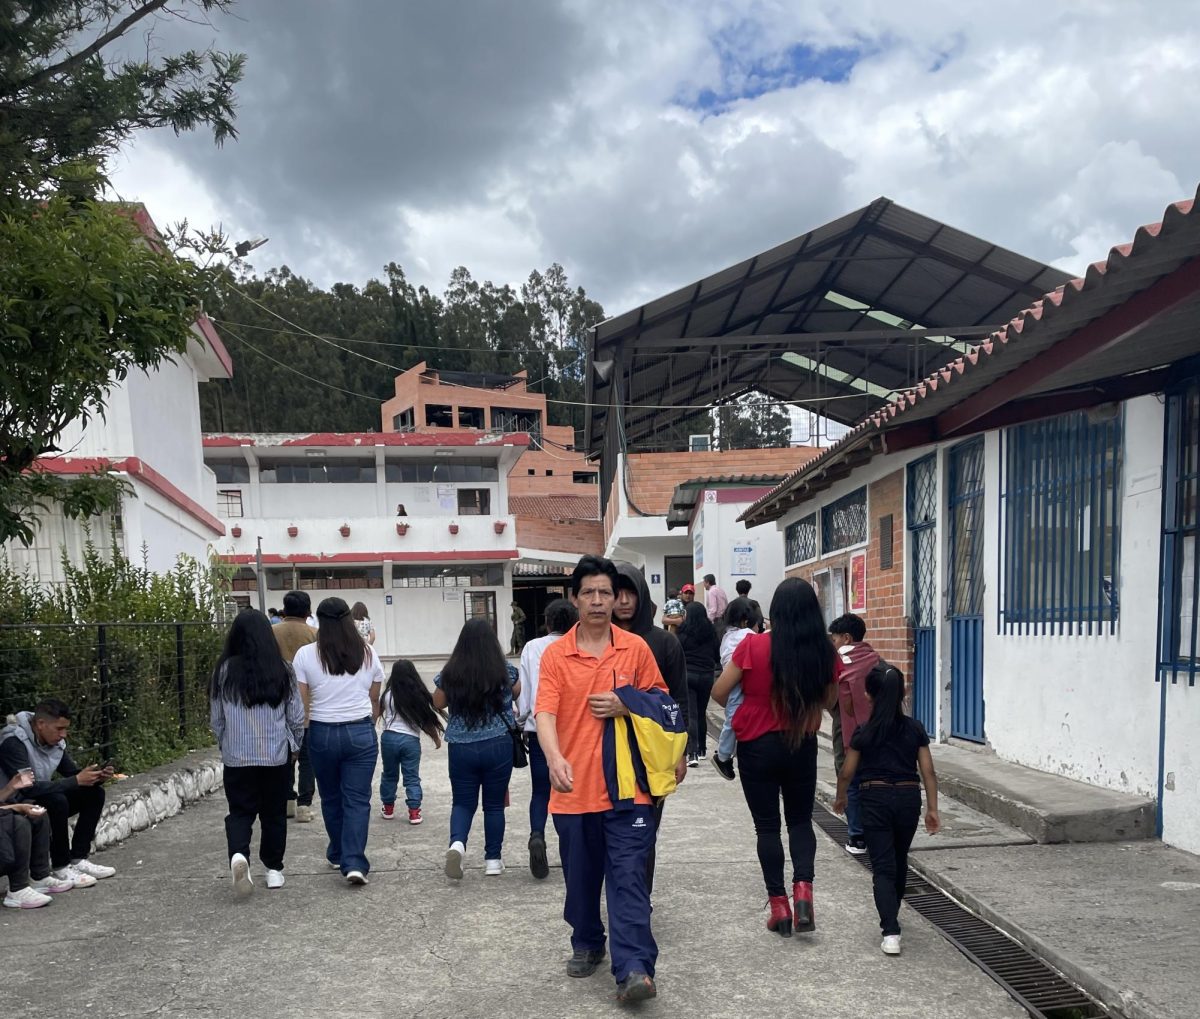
721	533
164	409
1085	706
1181	788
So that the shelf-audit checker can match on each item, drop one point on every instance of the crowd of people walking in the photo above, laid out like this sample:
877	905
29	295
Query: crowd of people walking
607	709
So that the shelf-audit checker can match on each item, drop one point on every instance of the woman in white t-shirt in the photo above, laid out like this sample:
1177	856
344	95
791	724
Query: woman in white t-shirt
362	622
339	679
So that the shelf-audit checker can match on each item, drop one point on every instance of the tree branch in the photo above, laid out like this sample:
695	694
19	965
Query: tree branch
73	61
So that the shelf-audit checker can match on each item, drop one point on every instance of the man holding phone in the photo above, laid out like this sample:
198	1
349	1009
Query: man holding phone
37	741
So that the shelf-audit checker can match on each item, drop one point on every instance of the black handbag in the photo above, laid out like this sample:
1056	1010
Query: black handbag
520	747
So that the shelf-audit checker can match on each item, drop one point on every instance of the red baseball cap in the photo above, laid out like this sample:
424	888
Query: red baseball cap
688	587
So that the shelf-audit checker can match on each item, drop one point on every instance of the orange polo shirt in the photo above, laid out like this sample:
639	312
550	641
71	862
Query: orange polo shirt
568	677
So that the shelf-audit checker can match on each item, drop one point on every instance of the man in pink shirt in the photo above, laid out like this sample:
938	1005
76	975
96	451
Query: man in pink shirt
858	658
716	601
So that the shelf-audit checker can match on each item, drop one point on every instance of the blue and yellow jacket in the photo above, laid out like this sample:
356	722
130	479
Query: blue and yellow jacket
641	750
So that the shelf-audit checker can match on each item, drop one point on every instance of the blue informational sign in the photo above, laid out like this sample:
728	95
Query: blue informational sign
655	578
387	599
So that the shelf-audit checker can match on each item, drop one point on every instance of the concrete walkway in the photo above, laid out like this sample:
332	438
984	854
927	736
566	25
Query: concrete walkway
166	938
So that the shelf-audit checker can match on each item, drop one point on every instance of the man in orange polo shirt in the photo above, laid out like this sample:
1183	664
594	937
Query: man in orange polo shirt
575	697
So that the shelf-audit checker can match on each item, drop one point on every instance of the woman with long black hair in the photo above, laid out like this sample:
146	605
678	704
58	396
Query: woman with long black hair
788	676
477	686
701	649
339	678
258	718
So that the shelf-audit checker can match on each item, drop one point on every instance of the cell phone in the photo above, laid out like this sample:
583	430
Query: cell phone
110	763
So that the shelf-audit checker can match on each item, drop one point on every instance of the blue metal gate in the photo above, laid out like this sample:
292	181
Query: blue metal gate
921	521
966	590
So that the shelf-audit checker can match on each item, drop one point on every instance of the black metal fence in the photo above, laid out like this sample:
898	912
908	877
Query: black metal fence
138	692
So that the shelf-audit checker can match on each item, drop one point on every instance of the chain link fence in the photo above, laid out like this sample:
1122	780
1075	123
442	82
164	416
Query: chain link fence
138	692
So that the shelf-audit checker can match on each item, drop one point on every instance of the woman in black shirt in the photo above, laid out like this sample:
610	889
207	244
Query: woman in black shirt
887	753
702	649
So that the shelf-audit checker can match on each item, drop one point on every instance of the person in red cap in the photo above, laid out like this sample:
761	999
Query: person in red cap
687	593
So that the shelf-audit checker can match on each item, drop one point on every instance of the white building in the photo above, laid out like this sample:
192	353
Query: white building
416	527
150	435
1021	529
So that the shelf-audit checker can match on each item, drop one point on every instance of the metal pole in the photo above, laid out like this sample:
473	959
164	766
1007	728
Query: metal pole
262	582
180	682
105	689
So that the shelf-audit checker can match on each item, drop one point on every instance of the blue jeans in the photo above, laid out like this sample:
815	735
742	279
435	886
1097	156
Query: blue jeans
485	765
539	774
727	742
399	751
343	760
854	822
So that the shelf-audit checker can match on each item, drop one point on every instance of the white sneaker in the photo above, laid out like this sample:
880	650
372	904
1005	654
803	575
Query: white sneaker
891	944
51	885
274	879
454	860
493	868
26	898
239	867
96	870
355	877
77	878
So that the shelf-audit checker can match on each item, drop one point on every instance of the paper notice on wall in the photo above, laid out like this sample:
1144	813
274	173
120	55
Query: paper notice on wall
447	497
743	561
698	551
421	493
450	594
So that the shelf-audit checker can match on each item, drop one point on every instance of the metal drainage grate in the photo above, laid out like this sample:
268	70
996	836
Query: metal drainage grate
1040	990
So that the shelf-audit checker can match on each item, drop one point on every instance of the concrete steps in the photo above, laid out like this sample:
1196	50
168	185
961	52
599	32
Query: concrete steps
1048	808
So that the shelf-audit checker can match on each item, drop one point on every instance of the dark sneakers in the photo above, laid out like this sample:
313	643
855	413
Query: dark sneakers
636	987
538	865
724	767
583	963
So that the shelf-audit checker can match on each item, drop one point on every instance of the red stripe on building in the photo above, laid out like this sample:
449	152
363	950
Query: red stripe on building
370	439
300	558
139	471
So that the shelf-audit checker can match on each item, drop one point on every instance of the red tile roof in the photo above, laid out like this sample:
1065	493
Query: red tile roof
555	507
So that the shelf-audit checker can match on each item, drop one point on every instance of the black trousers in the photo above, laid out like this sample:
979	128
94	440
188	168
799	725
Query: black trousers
260	792
86	801
658	813
308	782
889	817
770	769
700	686
24	848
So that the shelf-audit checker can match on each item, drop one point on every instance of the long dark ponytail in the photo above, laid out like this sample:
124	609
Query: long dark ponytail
802	657
407	697
885	686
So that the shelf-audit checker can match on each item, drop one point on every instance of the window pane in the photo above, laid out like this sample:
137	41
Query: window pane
844	521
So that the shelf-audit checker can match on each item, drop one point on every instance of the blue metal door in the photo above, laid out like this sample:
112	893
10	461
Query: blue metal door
921	522
966	590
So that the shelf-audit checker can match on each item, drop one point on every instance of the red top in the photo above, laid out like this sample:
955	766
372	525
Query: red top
756	716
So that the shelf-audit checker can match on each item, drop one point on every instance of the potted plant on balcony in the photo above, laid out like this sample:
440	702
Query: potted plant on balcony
454	527
402	527
344	530
293	530
235	531
498	526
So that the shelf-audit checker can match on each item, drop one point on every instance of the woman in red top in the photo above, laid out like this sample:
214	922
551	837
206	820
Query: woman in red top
788	676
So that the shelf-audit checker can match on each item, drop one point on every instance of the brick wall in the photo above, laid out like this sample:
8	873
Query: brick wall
653	476
574	536
888	629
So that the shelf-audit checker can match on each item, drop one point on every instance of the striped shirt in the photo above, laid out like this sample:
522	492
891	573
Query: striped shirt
261	736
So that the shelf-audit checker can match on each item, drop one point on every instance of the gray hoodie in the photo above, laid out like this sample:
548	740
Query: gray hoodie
20	748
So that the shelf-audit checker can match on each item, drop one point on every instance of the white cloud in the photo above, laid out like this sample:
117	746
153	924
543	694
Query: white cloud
563	133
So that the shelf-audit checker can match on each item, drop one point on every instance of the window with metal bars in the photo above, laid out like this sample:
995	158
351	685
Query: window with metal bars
800	540
1179	626
844	522
1061	509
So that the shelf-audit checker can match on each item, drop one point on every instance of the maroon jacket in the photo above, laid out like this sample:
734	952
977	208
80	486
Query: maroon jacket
857	660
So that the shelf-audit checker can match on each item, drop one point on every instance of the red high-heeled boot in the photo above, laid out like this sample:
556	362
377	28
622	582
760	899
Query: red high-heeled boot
780	920
802	898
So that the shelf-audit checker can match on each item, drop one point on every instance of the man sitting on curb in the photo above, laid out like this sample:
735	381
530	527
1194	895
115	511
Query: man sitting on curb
37	741
25	849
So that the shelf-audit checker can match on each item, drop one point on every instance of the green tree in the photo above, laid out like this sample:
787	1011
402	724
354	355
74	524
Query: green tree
85	296
754	422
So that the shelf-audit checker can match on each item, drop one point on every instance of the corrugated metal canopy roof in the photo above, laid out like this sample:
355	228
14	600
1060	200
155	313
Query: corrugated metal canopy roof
841	317
1115	332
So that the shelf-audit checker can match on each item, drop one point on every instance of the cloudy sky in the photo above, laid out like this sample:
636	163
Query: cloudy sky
645	144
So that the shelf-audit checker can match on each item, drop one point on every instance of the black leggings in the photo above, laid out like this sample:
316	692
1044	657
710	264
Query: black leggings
700	686
889	815
769	768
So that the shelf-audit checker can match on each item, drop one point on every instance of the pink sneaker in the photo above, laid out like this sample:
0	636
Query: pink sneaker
388	810
51	885
414	815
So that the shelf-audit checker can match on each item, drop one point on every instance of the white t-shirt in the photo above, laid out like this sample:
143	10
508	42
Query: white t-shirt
730	642
531	666
393	722
337	698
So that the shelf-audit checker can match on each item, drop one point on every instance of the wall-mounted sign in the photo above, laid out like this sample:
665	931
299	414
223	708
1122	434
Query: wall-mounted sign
858	582
387	599
710	495
698	550
655	578
743	561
